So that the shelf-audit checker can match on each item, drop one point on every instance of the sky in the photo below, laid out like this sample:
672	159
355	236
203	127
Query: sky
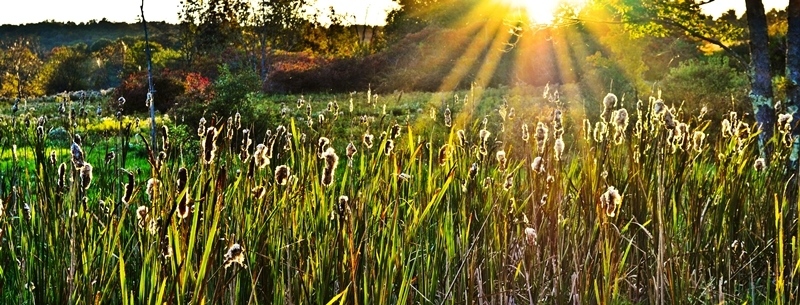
371	12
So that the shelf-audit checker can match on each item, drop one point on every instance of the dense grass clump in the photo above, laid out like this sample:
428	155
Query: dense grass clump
471	197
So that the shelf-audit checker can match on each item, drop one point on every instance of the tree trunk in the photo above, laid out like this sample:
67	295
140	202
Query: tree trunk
761	77
793	76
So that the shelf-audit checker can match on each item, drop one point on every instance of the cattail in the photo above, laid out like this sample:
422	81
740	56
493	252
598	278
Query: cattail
760	165
237	120
126	198
367	139
448	121
260	156
210	145
282	174
538	164
610	200
343	207
351	150
669	120
321	118
525	134
559	148
183	208
331	161
511	114
244	151
389	147
201	128
300	102
484	135
444	153
509	182
141	216
403	177
77	155
40	132
785	122
322	144
600	131
165	145
259	191
462	138
543	201
697	140
658	107
52	157
62	174
86	175
395	131
610	101
183	177
620	118
558	122
743	130
530	236
235	255
487	182
473	171
726	128
152	188
229	126
501	159
541	135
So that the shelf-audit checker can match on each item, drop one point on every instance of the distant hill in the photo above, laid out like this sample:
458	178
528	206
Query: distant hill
52	34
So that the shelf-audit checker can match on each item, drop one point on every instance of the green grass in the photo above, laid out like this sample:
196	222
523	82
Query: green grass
696	223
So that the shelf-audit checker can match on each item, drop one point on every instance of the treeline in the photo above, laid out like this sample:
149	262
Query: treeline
274	46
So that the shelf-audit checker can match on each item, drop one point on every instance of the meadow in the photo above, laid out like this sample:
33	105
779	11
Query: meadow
487	196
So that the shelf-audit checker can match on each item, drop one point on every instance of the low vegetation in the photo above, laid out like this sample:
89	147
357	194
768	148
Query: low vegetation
478	196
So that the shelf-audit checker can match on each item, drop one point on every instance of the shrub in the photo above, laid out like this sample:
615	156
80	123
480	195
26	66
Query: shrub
711	83
168	84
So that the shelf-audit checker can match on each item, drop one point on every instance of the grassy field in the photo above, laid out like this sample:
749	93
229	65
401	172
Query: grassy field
501	196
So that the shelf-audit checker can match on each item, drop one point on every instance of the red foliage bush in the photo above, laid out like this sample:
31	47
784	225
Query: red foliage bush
169	85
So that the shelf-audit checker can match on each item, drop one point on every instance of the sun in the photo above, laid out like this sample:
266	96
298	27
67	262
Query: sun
540	11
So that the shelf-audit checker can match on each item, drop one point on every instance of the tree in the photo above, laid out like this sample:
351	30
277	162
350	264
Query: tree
277	24
761	76
793	73
65	69
20	63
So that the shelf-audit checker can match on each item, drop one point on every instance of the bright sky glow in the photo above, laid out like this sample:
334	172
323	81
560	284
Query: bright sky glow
362	11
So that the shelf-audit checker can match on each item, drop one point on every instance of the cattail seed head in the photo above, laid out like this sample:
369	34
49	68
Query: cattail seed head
444	154
760	165
86	175
351	150
126	198
610	200
183	176
62	170
141	216
697	140
541	134
183	208
448	120
77	154
368	140
509	182
210	145
610	101
525	134
235	255
282	174
389	147
538	164
322	144
395	132
260	156
559	148
530	236
259	192
52	157
501	160
462	137
153	186
473	171
726	128
620	119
